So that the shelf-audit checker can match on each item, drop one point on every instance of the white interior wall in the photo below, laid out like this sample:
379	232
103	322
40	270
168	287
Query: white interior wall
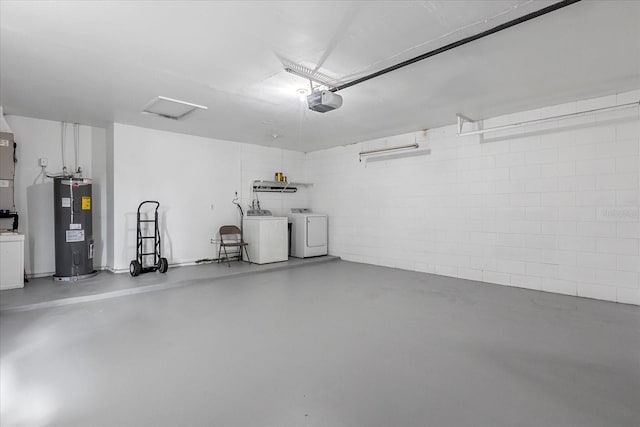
195	180
100	185
110	250
549	207
34	193
261	163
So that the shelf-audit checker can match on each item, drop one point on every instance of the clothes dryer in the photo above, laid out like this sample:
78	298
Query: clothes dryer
308	233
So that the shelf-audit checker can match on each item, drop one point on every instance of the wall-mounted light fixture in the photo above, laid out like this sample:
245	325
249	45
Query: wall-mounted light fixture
386	150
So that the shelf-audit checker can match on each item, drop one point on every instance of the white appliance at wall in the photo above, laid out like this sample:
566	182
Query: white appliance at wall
266	235
11	260
308	233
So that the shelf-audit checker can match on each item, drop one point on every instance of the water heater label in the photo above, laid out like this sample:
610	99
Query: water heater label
4	183
75	226
4	142
86	203
66	202
75	235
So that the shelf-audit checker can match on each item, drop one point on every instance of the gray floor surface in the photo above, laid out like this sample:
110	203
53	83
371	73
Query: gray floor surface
45	292
325	344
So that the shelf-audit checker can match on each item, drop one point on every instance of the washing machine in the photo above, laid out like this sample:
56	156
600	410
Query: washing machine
308	233
266	235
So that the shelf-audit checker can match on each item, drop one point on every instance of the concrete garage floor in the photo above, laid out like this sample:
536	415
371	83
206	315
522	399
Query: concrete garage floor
328	344
45	292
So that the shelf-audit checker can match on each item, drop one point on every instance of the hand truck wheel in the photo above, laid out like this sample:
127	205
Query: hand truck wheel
163	265
135	268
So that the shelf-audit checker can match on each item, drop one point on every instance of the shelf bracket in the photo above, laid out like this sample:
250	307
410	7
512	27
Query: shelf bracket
461	120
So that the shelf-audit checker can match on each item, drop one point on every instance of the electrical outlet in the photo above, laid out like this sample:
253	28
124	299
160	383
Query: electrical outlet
43	162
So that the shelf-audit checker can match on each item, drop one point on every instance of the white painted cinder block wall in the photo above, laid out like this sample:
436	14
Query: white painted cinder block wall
195	180
550	207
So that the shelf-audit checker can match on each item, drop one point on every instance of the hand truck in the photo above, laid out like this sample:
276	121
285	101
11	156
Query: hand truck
138	265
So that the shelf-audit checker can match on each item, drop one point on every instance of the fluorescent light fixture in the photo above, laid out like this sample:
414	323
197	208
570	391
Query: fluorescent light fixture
389	149
171	108
398	155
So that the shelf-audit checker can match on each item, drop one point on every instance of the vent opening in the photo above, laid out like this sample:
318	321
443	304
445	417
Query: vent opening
171	108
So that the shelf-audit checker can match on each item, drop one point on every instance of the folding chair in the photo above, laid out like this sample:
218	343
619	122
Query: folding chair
231	237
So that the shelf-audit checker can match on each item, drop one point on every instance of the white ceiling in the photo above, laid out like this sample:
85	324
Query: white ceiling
103	61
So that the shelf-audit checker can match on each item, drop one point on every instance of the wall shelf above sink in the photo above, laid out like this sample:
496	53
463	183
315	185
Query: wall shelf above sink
260	186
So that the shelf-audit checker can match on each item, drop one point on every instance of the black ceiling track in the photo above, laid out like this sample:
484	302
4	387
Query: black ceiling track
461	42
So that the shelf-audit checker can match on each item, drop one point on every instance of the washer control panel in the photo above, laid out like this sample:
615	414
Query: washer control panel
258	212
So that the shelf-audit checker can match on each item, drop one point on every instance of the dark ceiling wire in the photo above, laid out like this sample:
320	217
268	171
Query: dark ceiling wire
461	42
